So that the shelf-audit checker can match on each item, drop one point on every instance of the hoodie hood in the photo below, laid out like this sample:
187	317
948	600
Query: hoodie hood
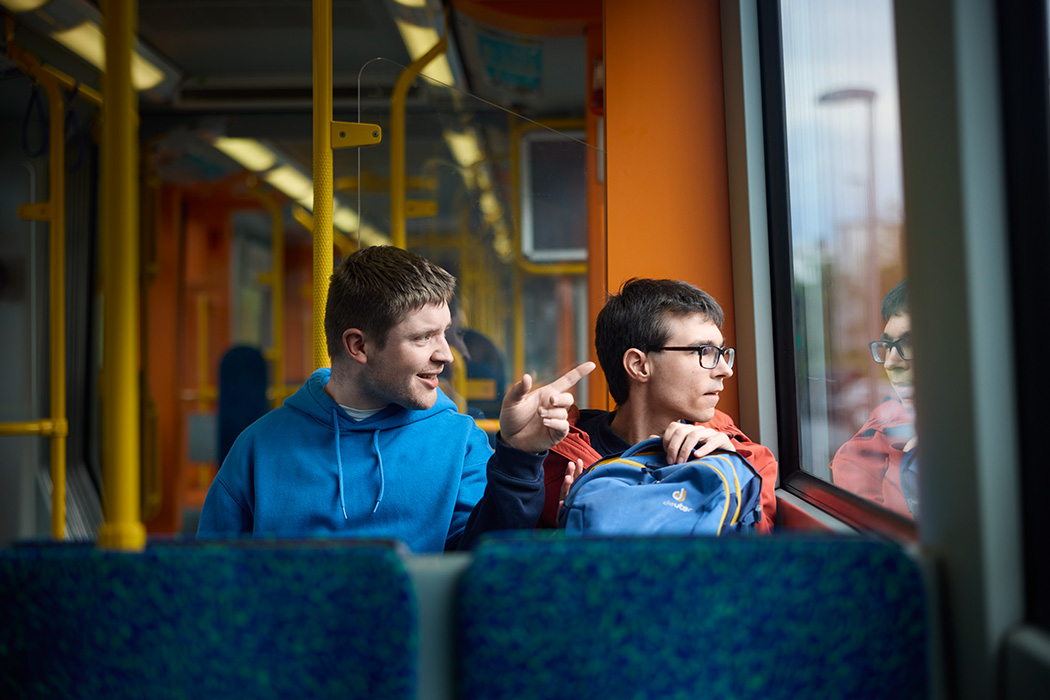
314	401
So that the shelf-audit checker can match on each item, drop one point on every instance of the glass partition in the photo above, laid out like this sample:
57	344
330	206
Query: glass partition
497	199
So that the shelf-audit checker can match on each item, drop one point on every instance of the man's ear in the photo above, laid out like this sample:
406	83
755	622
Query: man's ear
354	344
636	364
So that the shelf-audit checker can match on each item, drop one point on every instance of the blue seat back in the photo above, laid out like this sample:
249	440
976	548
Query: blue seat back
750	617
242	393
202	621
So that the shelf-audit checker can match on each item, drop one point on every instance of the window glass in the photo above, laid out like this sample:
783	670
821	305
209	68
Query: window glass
851	321
498	200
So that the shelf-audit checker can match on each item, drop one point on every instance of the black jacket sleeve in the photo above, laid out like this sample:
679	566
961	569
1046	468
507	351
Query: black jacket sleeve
513	497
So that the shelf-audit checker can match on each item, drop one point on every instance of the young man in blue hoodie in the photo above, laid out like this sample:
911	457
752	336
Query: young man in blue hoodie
371	447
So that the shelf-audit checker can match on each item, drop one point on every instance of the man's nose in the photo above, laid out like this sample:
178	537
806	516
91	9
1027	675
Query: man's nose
722	369
894	359
443	353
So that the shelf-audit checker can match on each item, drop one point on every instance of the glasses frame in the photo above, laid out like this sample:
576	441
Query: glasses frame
890	346
728	353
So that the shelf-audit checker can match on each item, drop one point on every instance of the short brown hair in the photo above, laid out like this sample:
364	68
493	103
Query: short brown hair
376	287
637	318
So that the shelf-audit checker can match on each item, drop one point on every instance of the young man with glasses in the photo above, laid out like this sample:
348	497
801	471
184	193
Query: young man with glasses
660	345
878	463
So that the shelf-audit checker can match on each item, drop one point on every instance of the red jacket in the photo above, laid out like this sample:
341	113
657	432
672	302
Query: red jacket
577	445
869	465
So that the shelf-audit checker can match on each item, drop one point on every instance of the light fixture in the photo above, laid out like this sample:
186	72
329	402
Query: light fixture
248	152
23	5
464	147
490	207
87	41
345	219
77	25
418	40
290	181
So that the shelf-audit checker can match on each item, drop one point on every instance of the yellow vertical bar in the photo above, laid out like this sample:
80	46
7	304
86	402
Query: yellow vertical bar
57	294
57	427
322	224
398	235
122	528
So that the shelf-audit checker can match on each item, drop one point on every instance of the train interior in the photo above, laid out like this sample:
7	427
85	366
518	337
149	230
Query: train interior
796	160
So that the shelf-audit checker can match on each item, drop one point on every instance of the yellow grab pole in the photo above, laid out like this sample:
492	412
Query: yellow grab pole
398	236
122	528
322	224
57	293
54	212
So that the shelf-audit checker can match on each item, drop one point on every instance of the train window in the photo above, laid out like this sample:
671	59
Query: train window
837	236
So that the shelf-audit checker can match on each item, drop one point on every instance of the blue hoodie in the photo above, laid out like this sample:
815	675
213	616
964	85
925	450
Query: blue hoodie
307	469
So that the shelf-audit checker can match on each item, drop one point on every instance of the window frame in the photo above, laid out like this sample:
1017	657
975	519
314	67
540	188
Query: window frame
1026	135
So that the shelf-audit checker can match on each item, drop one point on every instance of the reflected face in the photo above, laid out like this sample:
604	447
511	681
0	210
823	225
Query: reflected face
680	387
405	371
898	370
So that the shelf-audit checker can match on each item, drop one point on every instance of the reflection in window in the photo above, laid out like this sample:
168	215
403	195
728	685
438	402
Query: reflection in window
847	240
500	201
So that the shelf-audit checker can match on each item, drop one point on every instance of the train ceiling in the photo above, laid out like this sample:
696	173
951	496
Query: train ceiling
244	68
245	57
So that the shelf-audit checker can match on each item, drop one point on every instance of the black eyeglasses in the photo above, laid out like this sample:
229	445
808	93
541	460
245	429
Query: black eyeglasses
881	349
709	354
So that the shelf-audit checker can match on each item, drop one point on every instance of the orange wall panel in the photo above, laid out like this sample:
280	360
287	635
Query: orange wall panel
666	169
162	355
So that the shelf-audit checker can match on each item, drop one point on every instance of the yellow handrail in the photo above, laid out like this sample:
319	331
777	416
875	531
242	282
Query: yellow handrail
398	235
54	212
122	528
323	203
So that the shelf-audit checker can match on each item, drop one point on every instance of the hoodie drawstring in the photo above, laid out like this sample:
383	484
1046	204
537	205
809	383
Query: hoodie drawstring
339	464
382	478
339	459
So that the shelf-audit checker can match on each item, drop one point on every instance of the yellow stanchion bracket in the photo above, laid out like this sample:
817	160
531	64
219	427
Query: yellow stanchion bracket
350	134
47	427
419	208
38	211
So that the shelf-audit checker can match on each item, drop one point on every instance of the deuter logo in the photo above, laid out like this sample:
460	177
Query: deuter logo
678	497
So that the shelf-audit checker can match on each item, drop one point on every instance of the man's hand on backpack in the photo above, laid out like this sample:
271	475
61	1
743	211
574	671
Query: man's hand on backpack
686	441
572	470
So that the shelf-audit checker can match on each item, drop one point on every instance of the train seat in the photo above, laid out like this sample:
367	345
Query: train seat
748	617
253	620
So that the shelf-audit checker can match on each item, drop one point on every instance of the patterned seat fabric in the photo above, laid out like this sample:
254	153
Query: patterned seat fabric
216	620
747	617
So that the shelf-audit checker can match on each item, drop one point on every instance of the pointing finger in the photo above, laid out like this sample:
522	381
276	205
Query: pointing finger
570	378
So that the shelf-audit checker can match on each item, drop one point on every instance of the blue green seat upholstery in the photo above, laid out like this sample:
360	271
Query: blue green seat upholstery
747	617
320	620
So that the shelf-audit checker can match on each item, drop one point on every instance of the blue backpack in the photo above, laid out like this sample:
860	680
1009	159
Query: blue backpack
638	493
